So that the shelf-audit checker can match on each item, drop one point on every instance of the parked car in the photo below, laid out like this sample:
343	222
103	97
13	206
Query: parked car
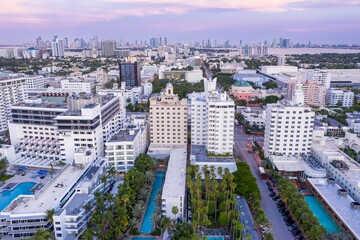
271	189
276	198
272	194
291	227
264	230
268	183
295	232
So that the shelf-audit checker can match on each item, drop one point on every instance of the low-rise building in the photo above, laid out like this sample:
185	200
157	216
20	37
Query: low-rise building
126	145
353	120
340	97
254	116
173	192
242	90
78	86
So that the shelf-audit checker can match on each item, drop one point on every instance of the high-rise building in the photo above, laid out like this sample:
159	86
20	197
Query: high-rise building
57	47
12	91
281	60
289	126
168	119
66	42
130	74
165	41
212	120
315	94
108	48
154	42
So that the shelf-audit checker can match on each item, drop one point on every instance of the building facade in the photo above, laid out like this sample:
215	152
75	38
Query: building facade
12	91
168	119
340	97
288	127
130	74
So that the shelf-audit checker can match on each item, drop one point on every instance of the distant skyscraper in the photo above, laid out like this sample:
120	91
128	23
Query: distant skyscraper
160	41
227	43
165	40
154	42
130	74
57	47
66	43
39	42
281	60
108	47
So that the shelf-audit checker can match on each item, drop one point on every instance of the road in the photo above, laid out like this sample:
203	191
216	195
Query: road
278	226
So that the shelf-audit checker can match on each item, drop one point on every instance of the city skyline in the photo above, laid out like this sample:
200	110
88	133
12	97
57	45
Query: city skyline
317	21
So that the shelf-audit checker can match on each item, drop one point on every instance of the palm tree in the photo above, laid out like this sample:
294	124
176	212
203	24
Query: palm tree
138	210
143	194
134	223
175	211
50	214
149	176
165	223
40	234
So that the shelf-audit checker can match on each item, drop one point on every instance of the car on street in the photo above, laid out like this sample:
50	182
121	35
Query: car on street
272	194
295	232
264	230
276	198
271	189
291	227
268	183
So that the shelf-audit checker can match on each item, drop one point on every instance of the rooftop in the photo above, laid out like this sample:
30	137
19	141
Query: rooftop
50	193
175	180
241	83
199	151
125	135
340	204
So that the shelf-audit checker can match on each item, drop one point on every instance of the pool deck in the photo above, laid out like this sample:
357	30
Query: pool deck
341	206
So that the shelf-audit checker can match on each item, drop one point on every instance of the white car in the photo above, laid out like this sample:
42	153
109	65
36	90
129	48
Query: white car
264	230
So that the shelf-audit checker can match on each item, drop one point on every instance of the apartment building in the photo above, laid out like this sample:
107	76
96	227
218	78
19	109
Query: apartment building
340	97
126	145
12	91
314	94
288	126
320	77
77	86
168	119
35	82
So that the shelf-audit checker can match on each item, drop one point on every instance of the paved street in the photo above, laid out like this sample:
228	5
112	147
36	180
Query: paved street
246	218
278	226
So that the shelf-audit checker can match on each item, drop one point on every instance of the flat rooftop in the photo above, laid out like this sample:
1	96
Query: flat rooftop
54	106
200	153
175	180
340	205
51	193
125	135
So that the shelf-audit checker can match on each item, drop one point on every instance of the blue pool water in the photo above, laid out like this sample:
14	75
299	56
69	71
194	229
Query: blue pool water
147	224
324	218
7	196
215	238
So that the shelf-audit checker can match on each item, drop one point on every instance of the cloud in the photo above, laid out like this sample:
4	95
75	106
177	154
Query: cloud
79	12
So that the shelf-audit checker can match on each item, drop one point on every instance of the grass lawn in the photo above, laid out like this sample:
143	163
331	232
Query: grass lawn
4	177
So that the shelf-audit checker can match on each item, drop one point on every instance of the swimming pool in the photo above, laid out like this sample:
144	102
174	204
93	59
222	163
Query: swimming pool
324	218
147	224
7	196
215	237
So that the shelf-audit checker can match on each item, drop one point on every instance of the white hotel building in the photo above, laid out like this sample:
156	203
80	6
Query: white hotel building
43	133
212	121
289	126
12	91
126	145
